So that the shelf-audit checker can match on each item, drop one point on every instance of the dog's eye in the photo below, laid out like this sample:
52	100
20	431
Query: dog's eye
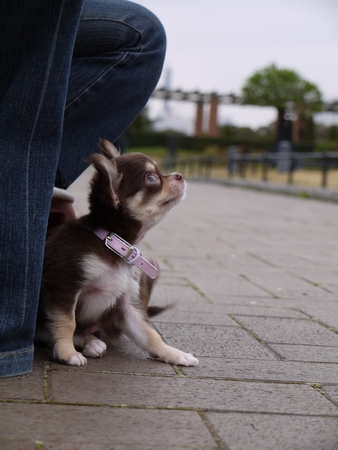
152	178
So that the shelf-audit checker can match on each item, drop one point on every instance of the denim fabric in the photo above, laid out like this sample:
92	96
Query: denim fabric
72	71
118	58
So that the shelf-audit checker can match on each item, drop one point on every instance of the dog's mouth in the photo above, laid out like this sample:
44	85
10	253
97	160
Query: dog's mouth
173	200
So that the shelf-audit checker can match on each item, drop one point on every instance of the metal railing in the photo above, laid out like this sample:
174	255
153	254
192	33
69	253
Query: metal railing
234	164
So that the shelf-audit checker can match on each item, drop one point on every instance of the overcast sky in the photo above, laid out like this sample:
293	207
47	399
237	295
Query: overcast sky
215	45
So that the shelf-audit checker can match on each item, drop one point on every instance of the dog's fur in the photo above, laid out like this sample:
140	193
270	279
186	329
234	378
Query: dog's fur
89	294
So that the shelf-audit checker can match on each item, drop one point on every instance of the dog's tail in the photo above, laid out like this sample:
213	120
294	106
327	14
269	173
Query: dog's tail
146	287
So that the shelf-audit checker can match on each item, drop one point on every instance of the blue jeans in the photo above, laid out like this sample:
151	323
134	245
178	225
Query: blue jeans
72	71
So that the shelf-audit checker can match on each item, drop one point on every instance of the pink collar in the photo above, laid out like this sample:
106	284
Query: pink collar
130	254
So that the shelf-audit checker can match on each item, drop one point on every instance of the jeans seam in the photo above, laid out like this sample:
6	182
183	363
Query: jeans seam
87	19
75	99
19	352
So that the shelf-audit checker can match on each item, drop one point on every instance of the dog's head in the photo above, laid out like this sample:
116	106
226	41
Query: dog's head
133	185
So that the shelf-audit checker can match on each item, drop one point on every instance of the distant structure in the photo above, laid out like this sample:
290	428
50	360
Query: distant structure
166	119
167	88
214	100
200	99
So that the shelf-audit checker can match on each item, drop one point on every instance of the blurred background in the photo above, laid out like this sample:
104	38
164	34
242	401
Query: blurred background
251	76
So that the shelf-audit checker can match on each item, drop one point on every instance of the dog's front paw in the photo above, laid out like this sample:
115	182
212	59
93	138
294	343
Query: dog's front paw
174	356
68	355
95	349
187	359
77	359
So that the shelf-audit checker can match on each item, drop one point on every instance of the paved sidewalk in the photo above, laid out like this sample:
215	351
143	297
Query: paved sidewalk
254	278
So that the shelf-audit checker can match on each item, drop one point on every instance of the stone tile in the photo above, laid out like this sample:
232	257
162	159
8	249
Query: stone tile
176	295
136	446
126	358
285	285
332	391
245	306
289	331
264	311
16	444
280	259
276	371
181	392
214	341
211	316
220	285
306	353
266	432
222	256
294	303
168	277
26	387
318	276
67	427
325	312
181	264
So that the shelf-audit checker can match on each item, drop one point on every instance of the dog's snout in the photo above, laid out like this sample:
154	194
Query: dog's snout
178	177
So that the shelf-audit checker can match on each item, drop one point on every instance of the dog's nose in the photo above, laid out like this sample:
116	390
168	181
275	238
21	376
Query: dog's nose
178	176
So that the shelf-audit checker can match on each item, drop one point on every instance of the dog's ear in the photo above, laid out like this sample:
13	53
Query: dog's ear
106	183
108	149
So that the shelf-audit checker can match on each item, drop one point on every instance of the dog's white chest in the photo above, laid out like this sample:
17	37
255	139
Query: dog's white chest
103	286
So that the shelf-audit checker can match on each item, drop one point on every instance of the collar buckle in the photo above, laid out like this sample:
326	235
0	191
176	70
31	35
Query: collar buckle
125	251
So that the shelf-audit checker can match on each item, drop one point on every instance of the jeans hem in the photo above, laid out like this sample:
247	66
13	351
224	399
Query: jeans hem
16	363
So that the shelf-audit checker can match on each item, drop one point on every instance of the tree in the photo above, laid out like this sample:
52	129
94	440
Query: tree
287	91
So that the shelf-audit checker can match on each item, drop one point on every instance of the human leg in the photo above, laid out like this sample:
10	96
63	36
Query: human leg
106	92
36	46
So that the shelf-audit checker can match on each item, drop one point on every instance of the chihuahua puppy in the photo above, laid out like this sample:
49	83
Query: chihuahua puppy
90	285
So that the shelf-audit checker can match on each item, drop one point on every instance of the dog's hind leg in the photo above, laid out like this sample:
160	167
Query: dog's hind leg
139	330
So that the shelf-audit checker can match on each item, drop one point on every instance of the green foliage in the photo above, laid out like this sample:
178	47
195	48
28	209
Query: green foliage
276	87
241	133
142	123
332	133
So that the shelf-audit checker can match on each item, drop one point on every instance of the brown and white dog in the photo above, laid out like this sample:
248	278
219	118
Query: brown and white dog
90	287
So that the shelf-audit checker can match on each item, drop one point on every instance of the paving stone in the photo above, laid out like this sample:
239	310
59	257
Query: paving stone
60	426
178	296
219	286
266	432
277	371
26	387
269	311
181	392
299	303
209	317
264	237
325	312
16	444
306	353
168	277
137	446
332	391
246	307
214	341
126	357
318	276
221	256
284	285
183	265
289	331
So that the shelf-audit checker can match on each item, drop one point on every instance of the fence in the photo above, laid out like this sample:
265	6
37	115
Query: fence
236	163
